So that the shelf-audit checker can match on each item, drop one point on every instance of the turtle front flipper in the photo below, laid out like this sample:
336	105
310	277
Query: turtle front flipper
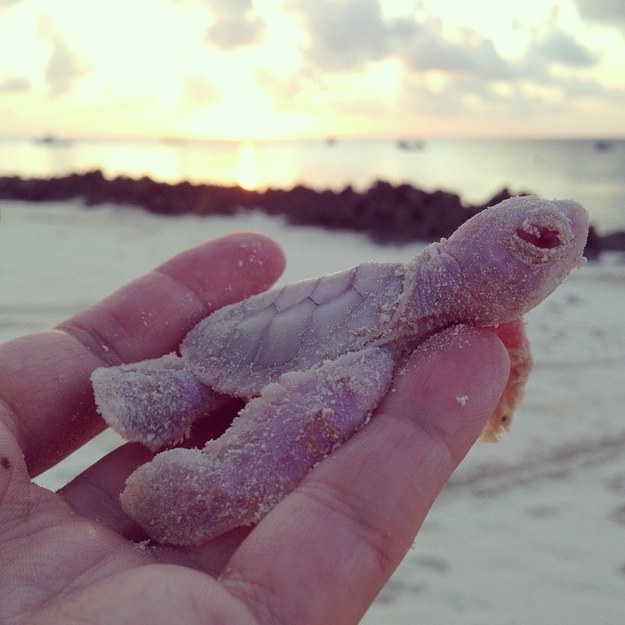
153	402
512	335
188	496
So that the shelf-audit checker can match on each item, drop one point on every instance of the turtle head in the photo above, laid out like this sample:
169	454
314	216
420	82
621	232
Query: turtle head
513	255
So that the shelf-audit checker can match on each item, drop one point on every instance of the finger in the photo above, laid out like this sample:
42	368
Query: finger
359	510
44	378
94	494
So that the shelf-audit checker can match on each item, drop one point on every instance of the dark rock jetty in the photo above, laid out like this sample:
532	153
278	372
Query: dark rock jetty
386	213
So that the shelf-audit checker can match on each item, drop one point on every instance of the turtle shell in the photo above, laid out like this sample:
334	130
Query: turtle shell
240	348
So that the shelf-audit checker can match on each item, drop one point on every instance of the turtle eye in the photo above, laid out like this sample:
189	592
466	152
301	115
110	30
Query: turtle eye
539	236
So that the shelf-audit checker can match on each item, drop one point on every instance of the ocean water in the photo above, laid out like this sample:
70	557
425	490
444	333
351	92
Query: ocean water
592	172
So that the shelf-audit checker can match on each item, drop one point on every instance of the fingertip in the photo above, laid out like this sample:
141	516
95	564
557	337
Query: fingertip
229	268
260	255
259	247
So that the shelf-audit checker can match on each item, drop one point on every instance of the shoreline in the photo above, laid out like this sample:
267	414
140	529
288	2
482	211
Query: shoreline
385	213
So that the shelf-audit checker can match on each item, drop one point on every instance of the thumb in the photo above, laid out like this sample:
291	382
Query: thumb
450	385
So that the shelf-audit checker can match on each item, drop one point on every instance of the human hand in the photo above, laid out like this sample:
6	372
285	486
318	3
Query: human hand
320	556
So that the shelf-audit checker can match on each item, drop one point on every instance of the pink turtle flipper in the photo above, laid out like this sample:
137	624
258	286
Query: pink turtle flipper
153	402
514	338
188	496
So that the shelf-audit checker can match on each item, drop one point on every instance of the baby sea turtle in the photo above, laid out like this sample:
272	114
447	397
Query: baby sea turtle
315	358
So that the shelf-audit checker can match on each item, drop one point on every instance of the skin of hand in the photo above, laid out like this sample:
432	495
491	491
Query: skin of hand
321	556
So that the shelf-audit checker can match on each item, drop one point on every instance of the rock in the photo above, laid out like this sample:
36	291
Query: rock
614	242
387	213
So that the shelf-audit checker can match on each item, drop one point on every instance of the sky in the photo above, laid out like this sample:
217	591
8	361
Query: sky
262	69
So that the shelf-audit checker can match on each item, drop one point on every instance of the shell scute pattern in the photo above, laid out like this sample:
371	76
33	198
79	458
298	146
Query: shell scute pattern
328	289
329	316
294	295
281	340
292	329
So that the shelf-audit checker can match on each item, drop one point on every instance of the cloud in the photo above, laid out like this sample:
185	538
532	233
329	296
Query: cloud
439	72
14	84
469	97
574	88
63	69
559	47
474	55
448	100
284	90
292	91
199	92
236	24
346	34
7	3
64	66
606	11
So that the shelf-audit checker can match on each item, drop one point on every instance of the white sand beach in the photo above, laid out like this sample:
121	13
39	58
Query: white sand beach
529	531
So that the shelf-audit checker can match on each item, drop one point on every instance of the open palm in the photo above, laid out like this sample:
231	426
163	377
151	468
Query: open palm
319	557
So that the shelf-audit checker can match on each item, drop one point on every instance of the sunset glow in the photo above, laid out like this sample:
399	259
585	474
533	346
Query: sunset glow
248	173
256	69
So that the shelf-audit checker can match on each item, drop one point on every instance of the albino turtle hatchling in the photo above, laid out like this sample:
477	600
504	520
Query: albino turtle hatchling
315	358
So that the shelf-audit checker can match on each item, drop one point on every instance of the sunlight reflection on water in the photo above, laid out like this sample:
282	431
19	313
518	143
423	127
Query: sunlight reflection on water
589	172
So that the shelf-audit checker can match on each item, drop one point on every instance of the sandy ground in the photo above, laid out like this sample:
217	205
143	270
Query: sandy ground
531	530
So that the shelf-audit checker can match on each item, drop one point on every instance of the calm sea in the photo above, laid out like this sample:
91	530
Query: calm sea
592	172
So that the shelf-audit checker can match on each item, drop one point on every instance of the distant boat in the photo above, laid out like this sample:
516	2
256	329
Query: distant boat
331	141
410	144
603	145
53	140
174	141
